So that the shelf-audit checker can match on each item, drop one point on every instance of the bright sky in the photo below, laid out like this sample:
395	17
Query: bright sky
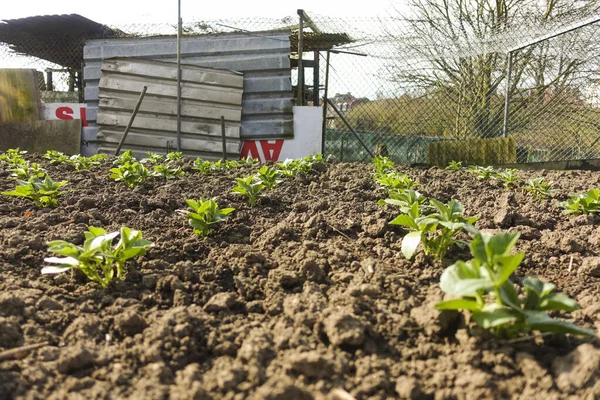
124	11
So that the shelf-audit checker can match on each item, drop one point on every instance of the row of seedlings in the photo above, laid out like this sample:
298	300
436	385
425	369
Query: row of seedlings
482	285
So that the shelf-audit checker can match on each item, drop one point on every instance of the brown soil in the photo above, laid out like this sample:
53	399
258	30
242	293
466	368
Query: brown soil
305	295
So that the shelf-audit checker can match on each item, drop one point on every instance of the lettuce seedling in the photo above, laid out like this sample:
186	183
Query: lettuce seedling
249	187
483	287
405	199
82	163
167	172
507	177
56	157
383	165
153	158
175	156
587	203
43	193
268	176
396	181
289	168
455	166
538	188
98	259
13	157
125	158
206	214
26	172
435	231
483	173
131	174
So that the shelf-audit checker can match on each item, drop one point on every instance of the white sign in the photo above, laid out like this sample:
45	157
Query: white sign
308	124
65	111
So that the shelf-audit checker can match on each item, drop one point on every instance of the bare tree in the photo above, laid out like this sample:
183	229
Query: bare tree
458	48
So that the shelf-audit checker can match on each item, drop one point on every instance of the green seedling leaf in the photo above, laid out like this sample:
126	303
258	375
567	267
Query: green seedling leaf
458	304
410	242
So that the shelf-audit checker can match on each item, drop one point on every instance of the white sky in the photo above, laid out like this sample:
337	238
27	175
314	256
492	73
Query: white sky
127	11
130	12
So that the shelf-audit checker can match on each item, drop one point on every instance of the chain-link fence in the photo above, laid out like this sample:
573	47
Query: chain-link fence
434	72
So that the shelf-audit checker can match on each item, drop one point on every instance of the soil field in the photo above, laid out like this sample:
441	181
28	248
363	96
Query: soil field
304	296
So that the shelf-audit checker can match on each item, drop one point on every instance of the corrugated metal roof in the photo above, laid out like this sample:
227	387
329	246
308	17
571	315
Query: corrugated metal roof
207	94
56	38
263	57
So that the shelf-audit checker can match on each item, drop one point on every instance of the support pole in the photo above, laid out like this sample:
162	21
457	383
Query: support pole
135	111
223	138
300	99
316	80
507	94
179	29
325	99
364	145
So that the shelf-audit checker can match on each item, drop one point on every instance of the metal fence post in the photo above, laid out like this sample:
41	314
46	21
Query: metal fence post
300	99
324	132
509	68
179	28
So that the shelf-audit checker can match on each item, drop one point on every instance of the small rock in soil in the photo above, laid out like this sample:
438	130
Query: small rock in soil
577	369
221	302
10	304
10	333
590	267
47	303
311	364
407	387
130	323
87	327
280	388
344	329
432	320
73	359
504	215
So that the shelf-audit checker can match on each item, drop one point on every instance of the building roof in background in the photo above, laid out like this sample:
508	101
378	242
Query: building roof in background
55	38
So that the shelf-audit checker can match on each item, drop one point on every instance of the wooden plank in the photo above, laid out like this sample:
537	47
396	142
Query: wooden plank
161	70
109	121
112	83
154	105
136	139
40	136
19	96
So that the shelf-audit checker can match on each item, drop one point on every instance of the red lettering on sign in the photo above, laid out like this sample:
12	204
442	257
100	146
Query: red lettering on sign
271	150
64	113
249	149
83	114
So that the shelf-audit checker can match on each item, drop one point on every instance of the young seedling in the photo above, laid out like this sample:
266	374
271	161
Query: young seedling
405	199
232	164
44	193
396	181
56	157
13	158
125	158
268	176
289	168
455	166
26	172
175	156
82	163
206	214
435	231
131	174
167	172
98	259
507	177
483	173
153	159
483	287
383	166
538	188
587	203
249	187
